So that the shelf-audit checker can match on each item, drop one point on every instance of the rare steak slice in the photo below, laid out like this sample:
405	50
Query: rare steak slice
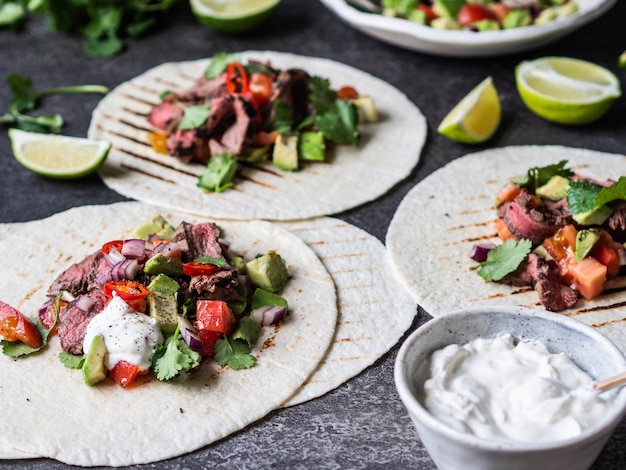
528	217
81	277
197	240
74	318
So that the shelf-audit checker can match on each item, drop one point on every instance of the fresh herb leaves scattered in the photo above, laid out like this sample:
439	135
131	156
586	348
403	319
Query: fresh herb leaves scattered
72	361
538	176
612	193
219	173
194	116
234	353
336	119
25	98
248	330
174	357
219	63
582	196
504	259
212	260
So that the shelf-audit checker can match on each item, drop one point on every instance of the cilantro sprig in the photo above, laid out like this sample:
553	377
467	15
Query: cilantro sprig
584	196
174	357
504	259
538	176
336	119
26	98
234	352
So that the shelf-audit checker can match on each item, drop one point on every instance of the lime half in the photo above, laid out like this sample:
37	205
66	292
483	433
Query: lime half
476	117
233	16
57	156
565	90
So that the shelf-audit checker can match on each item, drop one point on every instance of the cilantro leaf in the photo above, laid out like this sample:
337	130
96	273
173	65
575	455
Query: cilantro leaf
234	353
174	357
582	196
219	173
212	260
248	330
321	95
218	64
538	176
72	361
194	116
504	259
339	123
612	193
282	118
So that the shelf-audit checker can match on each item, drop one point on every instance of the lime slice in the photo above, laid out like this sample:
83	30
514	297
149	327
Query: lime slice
57	156
565	90
476	117
233	16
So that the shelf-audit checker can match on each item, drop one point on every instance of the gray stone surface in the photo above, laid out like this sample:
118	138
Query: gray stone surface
362	424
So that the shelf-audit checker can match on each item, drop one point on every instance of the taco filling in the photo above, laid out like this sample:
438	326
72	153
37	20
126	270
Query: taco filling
563	235
160	303
238	113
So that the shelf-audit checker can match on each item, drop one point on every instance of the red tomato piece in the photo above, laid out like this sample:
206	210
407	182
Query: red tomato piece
208	338
428	11
214	315
14	326
195	268
261	87
124	373
473	12
605	253
127	290
347	93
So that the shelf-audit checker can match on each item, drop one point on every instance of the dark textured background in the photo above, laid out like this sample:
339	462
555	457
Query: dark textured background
362	424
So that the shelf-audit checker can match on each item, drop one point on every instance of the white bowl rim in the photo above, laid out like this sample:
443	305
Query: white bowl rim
615	414
500	40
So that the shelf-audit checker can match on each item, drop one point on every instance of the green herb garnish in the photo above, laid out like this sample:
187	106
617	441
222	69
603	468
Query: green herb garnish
504	259
174	357
219	173
234	353
538	176
194	116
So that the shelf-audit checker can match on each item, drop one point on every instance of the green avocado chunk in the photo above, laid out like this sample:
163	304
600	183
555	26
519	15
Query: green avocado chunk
269	271
156	225
161	264
93	367
555	189
285	155
585	241
162	303
595	216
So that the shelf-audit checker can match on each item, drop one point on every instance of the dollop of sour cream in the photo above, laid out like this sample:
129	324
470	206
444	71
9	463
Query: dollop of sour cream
128	335
505	389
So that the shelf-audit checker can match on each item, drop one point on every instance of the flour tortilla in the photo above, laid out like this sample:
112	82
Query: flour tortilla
54	414
389	150
432	233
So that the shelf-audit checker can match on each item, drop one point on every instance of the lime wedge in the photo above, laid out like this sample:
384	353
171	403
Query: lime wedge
233	16
565	90
57	156
476	117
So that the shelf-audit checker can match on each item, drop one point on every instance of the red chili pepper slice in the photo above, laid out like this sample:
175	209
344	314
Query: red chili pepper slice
127	290
237	80
117	244
195	268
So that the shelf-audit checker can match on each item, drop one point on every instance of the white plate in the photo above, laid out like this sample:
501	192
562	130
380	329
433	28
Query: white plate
410	35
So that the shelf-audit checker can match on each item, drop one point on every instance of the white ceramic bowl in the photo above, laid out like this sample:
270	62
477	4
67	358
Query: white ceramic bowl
411	35
453	450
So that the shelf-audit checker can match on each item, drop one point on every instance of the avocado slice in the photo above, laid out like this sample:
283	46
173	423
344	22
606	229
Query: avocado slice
285	155
555	189
311	146
595	216
161	264
585	241
93	367
156	225
268	271
162	303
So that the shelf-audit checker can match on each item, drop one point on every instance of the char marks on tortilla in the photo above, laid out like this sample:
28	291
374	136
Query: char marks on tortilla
432	233
389	149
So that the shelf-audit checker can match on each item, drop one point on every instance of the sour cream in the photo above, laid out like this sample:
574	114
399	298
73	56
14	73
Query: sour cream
128	335
508	390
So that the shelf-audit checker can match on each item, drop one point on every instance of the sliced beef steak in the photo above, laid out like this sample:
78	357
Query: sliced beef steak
73	321
535	272
527	217
198	240
81	277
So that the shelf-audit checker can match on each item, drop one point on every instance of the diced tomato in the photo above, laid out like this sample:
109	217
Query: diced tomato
606	252
14	326
428	11
503	231
589	277
117	244
500	10
262	138
195	268
214	315
508	193
347	93
126	290
208	338
261	87
555	249
124	373
473	12
566	237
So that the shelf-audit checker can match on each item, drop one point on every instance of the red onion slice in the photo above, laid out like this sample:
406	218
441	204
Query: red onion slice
480	251
84	302
134	248
189	334
114	256
268	314
125	270
169	249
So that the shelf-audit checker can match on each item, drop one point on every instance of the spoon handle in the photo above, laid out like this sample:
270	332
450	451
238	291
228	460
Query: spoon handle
610	382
